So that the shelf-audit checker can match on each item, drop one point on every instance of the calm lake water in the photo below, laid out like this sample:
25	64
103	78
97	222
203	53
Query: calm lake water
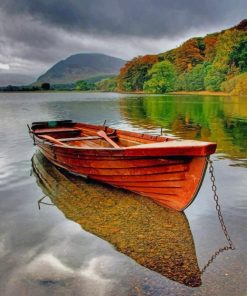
88	242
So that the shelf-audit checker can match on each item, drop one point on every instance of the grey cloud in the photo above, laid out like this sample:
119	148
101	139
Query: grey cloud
147	18
30	46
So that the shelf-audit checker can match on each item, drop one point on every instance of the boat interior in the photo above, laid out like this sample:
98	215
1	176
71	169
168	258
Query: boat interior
70	134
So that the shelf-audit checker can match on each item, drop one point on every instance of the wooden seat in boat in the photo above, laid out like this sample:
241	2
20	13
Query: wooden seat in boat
57	130
83	138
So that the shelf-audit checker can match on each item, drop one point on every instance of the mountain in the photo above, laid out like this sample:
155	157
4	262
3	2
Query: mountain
215	62
82	66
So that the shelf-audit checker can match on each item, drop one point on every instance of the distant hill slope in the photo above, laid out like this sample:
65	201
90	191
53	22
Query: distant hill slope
81	67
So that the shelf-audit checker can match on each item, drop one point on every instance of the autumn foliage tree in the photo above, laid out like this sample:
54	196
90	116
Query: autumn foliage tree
210	49
189	55
134	73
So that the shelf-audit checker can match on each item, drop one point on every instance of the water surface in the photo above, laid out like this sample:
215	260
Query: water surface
57	250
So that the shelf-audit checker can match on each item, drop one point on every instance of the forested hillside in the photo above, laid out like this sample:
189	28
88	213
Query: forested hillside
216	62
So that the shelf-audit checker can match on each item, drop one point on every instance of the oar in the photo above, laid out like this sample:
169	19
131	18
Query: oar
55	141
102	134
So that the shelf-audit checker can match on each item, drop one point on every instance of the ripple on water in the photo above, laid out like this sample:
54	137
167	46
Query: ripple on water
15	174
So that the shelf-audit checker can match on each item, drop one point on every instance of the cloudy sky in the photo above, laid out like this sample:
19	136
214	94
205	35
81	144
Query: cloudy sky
35	34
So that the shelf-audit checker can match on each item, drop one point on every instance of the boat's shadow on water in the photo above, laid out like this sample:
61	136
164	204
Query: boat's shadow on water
157	238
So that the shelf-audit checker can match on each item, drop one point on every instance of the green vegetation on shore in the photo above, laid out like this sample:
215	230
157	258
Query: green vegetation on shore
217	62
108	84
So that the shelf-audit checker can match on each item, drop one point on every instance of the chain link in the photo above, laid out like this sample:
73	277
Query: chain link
220	216
40	201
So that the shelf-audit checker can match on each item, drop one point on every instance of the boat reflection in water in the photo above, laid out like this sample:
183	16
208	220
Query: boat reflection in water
157	238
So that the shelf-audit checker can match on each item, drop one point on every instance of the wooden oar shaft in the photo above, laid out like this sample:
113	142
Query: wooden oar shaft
55	141
104	135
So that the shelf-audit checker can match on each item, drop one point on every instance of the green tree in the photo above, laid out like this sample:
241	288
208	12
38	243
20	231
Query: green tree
84	85
180	83
236	85
109	84
238	56
163	76
224	46
45	86
221	67
195	77
214	78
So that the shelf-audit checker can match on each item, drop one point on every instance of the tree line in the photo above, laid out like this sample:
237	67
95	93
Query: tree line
217	62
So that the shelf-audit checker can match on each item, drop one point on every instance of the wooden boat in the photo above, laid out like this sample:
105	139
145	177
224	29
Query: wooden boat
167	170
155	237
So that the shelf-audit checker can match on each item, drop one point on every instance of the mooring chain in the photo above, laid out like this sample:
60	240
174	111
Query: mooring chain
222	223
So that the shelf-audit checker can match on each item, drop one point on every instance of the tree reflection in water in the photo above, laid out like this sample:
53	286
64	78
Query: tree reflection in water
208	118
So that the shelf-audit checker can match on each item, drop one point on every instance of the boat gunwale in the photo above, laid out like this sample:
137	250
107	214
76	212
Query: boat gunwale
136	149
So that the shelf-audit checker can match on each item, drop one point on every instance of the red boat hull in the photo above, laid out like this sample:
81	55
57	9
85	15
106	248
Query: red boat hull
170	177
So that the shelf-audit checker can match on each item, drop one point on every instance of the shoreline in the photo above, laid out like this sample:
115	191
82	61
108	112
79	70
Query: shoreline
202	93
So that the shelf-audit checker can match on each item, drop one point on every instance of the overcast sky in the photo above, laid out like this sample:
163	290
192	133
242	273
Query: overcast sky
35	34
